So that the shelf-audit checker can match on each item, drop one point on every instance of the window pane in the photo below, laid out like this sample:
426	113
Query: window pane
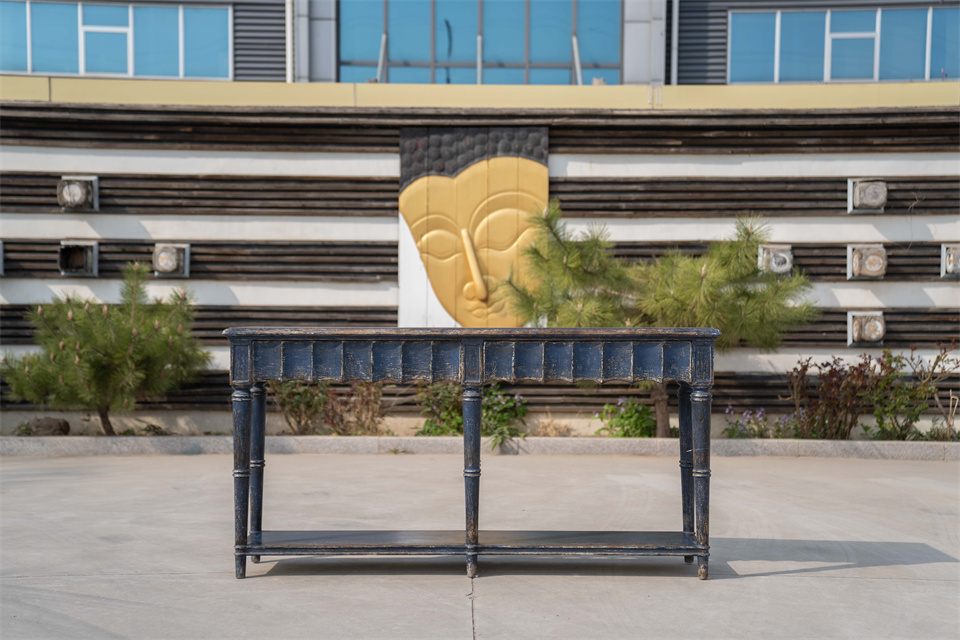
13	36
105	15
156	43
551	30
409	75
502	76
852	59
852	21
408	24
206	43
105	52
610	76
361	26
903	44
549	76
801	46
455	75
945	44
598	31
53	37
456	31
752	40
357	74
504	29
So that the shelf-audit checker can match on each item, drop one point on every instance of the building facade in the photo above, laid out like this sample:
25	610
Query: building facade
248	142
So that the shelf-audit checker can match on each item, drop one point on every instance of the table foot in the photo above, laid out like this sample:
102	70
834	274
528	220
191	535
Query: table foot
255	559
471	566
241	567
688	559
702	568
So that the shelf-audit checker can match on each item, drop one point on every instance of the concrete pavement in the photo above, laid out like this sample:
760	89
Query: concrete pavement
141	547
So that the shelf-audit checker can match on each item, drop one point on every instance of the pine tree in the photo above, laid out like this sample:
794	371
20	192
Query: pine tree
105	358
574	280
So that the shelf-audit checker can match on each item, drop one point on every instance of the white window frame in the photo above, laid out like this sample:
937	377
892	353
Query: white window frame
828	44
129	32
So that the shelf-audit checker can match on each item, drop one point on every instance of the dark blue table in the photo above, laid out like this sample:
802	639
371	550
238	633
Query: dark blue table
472	358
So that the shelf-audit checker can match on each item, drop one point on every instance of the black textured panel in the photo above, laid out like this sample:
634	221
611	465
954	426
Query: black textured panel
446	151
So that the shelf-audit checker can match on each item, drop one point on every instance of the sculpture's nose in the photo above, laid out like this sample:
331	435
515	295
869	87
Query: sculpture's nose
480	287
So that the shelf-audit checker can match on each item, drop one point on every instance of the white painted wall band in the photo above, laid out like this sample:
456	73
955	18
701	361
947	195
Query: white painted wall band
210	163
799	165
209	292
197	228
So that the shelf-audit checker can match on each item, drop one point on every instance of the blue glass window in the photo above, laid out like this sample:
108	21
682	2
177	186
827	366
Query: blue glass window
504	31
106	15
361	26
903	44
853	21
752	43
13	36
945	44
502	76
456	75
551	31
206	43
801	45
105	52
598	31
456	31
549	76
852	59
156	43
357	74
54	39
409	75
409	28
610	76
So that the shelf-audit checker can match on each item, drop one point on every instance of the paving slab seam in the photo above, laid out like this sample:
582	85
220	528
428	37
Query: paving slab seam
59	446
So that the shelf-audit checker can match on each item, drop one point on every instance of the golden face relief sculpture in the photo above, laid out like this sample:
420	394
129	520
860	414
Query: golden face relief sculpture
467	195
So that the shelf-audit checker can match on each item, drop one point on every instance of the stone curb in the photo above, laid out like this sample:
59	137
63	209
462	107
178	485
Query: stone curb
194	445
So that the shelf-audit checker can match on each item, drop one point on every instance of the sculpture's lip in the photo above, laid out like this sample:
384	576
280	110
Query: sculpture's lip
559	334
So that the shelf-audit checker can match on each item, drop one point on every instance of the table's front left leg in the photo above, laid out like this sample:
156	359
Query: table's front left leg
686	461
257	442
241	473
700	413
472	397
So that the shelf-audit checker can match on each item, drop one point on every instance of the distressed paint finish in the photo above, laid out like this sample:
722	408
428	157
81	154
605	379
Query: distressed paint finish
472	357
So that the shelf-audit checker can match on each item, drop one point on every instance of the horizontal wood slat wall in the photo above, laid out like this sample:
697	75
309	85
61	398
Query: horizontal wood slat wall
377	261
906	327
211	320
212	195
772	197
740	390
296	261
579	197
571	131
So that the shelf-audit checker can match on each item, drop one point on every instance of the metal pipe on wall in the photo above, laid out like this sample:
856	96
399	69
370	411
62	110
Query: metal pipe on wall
674	41
288	37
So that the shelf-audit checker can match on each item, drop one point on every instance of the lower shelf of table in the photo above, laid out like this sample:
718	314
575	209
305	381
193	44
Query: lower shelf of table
627	543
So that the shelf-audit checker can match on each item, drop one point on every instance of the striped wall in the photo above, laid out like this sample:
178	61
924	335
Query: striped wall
292	218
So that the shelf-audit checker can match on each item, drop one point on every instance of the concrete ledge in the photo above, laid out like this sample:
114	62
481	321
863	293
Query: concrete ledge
56	446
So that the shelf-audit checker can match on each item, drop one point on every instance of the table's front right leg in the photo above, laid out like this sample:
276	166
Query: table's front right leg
241	473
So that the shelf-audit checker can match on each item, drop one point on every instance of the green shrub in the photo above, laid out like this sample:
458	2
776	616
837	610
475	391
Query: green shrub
321	409
754	424
627	419
301	404
106	358
441	404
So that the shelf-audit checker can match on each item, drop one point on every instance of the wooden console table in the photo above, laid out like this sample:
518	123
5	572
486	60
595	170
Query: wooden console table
471	357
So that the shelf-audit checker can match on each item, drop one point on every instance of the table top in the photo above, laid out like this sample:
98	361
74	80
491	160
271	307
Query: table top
538	334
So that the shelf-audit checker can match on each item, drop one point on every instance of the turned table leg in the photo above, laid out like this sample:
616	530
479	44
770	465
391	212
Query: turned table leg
241	473
700	414
472	397
686	461
257	442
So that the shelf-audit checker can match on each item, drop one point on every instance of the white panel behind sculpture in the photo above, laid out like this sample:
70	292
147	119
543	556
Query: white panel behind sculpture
418	305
